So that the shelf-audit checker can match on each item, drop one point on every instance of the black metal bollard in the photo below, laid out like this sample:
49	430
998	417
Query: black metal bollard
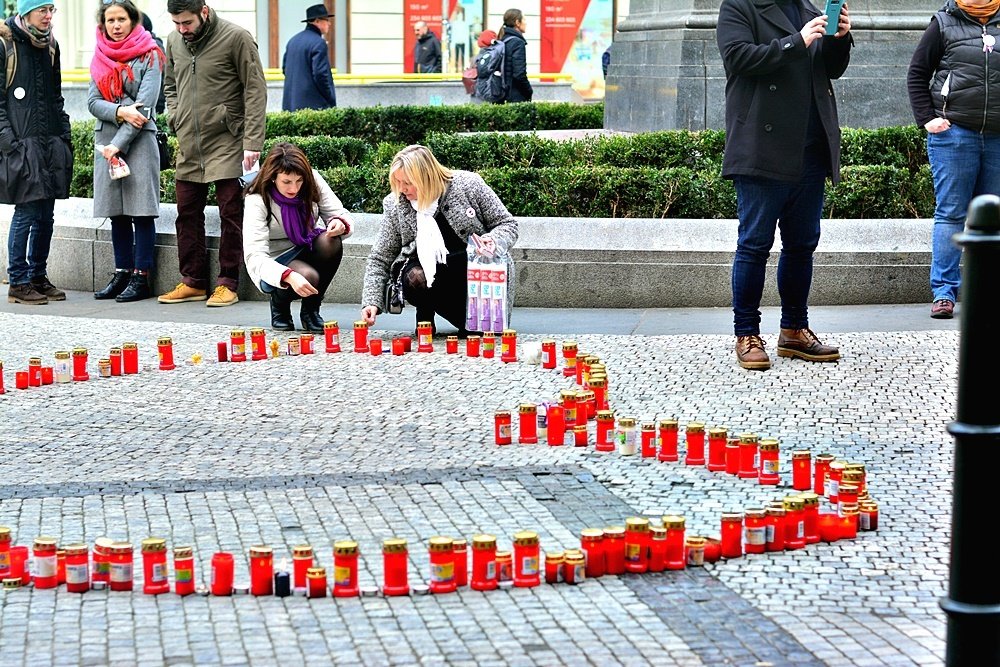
973	600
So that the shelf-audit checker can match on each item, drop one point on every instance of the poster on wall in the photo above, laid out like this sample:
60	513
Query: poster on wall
574	35
465	22
413	11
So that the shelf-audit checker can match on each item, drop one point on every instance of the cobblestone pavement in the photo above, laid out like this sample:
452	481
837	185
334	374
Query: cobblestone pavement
325	447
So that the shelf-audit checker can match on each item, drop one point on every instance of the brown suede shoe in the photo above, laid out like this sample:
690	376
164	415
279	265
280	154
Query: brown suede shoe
751	354
804	344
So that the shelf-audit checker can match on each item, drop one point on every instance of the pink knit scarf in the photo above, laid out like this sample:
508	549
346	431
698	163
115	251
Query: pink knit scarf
113	58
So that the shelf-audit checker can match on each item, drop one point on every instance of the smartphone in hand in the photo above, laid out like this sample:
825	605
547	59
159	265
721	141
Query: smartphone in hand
833	15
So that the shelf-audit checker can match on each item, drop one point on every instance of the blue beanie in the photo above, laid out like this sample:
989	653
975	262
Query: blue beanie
25	6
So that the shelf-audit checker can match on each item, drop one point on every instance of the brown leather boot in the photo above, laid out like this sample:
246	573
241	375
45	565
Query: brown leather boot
751	354
804	344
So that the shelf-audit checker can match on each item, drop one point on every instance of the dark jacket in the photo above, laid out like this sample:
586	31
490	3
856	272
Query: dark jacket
36	154
772	82
427	54
515	66
951	75
308	79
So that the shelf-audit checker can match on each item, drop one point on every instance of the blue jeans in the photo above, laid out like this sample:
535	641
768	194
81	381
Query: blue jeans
29	240
795	209
964	164
133	249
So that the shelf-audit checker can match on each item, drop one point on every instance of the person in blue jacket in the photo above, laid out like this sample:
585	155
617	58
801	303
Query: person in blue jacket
306	64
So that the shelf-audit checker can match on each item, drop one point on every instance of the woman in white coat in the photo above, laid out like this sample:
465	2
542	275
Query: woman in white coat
293	226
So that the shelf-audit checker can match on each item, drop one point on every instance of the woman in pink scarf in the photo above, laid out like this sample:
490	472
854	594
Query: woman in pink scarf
126	72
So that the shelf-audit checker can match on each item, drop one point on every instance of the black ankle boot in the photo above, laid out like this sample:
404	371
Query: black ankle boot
311	319
281	311
137	290
117	284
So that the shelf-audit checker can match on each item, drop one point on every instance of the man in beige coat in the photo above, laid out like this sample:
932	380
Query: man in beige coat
216	104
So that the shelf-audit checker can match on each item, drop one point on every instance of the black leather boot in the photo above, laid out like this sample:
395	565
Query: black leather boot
281	311
117	284
309	314
137	290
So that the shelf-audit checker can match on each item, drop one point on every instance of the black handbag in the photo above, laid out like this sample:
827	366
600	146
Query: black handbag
393	298
164	146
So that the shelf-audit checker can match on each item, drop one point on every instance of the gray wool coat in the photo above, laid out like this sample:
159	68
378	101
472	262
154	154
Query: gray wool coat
137	194
469	206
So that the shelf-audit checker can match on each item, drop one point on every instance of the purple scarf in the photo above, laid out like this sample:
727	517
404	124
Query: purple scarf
297	222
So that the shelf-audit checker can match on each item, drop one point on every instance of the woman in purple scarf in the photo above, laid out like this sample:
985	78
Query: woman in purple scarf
293	227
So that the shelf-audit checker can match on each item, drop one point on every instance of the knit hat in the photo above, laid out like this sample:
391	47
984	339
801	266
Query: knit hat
486	38
25	6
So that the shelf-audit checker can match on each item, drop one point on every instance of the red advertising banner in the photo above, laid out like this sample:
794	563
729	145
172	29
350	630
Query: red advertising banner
561	21
413	11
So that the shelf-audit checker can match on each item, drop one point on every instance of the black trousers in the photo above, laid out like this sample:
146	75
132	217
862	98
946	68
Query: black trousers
446	297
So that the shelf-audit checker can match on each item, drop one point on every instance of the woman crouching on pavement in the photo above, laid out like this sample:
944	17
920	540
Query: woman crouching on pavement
293	227
427	220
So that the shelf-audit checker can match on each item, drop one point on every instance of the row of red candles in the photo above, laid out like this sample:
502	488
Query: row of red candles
125	360
638	546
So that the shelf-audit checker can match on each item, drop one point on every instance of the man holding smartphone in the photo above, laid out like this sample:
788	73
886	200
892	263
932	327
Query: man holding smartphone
782	141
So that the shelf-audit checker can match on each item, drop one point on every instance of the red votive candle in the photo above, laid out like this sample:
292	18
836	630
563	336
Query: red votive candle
748	456
657	549
849	521
548	354
489	345
472	346
599	385
222	573
425	337
35	372
261	570
829	527
258	344
553	566
45	562
165	350
154	566
4	552
484	566
668	440
183	570
755	531
674	525
331	336
130	358
394	563
442	559
47	376
302	560
732	534
795	526
345	569
375	346
732	456
694	548
823	462
605	431
868	517
574	570
636	544
614	549
526	559
569	350
460	550
508	346
768	462
398	347
810	516
713	550
21	379
316	582
451	345
834	476
102	560
80	373
580	436
306	342
121	566
695	444
555	428
776	517
77	568
221	348
802	470
360	345
237	345
61	566
527	433
853	472
717	449
2	390
592	545
19	561
647	439
115	357
501	427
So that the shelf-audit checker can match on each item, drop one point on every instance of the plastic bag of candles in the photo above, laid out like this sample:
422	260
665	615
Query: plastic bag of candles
486	300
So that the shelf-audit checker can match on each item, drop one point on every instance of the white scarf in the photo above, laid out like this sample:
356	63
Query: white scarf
430	244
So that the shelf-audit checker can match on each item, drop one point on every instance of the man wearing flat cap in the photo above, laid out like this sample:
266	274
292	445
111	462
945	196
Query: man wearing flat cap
308	79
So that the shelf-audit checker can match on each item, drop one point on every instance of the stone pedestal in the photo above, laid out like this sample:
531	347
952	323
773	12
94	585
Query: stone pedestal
666	71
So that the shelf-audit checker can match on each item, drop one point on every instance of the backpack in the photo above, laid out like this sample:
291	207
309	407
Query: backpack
490	84
10	49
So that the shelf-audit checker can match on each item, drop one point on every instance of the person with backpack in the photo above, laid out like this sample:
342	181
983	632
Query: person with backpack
490	84
36	152
515	66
